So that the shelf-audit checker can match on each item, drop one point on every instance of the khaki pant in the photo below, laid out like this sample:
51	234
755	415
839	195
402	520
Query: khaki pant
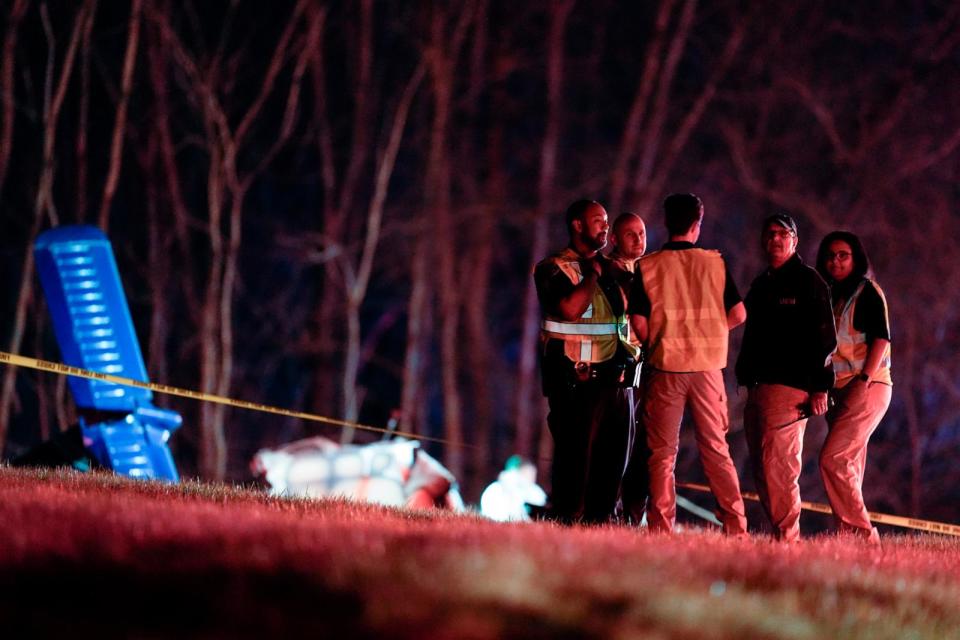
774	429
666	395
858	411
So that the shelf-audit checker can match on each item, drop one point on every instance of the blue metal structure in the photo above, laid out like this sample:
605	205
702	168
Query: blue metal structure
122	429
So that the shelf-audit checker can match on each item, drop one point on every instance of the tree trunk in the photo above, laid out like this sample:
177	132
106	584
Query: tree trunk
418	327
357	286
7	101
83	119
120	122
329	312
442	61
211	440
43	203
529	404
661	105
639	107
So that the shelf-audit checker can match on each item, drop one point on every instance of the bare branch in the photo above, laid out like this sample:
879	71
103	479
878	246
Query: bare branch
654	129
270	78
384	172
44	199
641	101
361	109
83	118
181	215
53	102
328	169
932	157
822	114
119	126
310	41
17	12
694	114
789	199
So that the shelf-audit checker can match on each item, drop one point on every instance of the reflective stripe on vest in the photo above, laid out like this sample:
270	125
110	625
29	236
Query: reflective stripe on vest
688	320
581	329
852	348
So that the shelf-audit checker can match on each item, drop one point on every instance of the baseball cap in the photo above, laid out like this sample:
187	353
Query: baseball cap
782	220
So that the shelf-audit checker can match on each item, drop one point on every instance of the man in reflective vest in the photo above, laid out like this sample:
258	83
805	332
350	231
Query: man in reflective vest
683	305
585	349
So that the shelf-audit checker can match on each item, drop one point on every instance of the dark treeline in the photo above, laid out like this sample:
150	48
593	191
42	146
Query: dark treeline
335	207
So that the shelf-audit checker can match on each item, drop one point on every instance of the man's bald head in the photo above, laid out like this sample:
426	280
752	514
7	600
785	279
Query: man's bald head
629	236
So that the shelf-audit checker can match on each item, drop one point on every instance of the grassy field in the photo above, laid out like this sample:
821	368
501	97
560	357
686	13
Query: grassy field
99	555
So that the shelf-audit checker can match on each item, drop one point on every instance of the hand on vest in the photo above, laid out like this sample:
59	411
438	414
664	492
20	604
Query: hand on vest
590	264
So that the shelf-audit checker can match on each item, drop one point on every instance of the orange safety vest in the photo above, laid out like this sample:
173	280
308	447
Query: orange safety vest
595	335
688	321
852	347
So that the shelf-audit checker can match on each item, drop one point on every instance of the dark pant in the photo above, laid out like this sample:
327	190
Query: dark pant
592	425
636	481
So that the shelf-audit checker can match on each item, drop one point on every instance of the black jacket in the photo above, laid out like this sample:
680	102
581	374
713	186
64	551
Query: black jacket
790	331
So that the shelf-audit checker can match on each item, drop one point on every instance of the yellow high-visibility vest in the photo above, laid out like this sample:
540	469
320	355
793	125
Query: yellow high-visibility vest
595	335
688	321
852	347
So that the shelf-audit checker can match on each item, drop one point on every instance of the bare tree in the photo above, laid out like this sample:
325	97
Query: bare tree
7	64
441	55
120	122
339	193
527	388
227	186
358	278
479	253
81	151
55	89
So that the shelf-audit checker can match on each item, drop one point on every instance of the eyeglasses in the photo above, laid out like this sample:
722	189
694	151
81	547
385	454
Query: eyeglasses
783	234
842	256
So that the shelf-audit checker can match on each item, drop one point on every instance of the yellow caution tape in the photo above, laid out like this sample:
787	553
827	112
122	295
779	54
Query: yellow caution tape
64	369
879	518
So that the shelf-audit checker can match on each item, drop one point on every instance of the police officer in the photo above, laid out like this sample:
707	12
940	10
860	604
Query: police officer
585	349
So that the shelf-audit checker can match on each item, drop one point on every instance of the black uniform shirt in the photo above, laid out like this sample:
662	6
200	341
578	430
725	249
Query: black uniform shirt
623	277
790	332
553	285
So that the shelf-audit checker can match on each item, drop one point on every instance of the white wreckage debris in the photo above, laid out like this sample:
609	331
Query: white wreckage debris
395	472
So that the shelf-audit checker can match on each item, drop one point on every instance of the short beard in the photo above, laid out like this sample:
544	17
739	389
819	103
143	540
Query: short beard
595	243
